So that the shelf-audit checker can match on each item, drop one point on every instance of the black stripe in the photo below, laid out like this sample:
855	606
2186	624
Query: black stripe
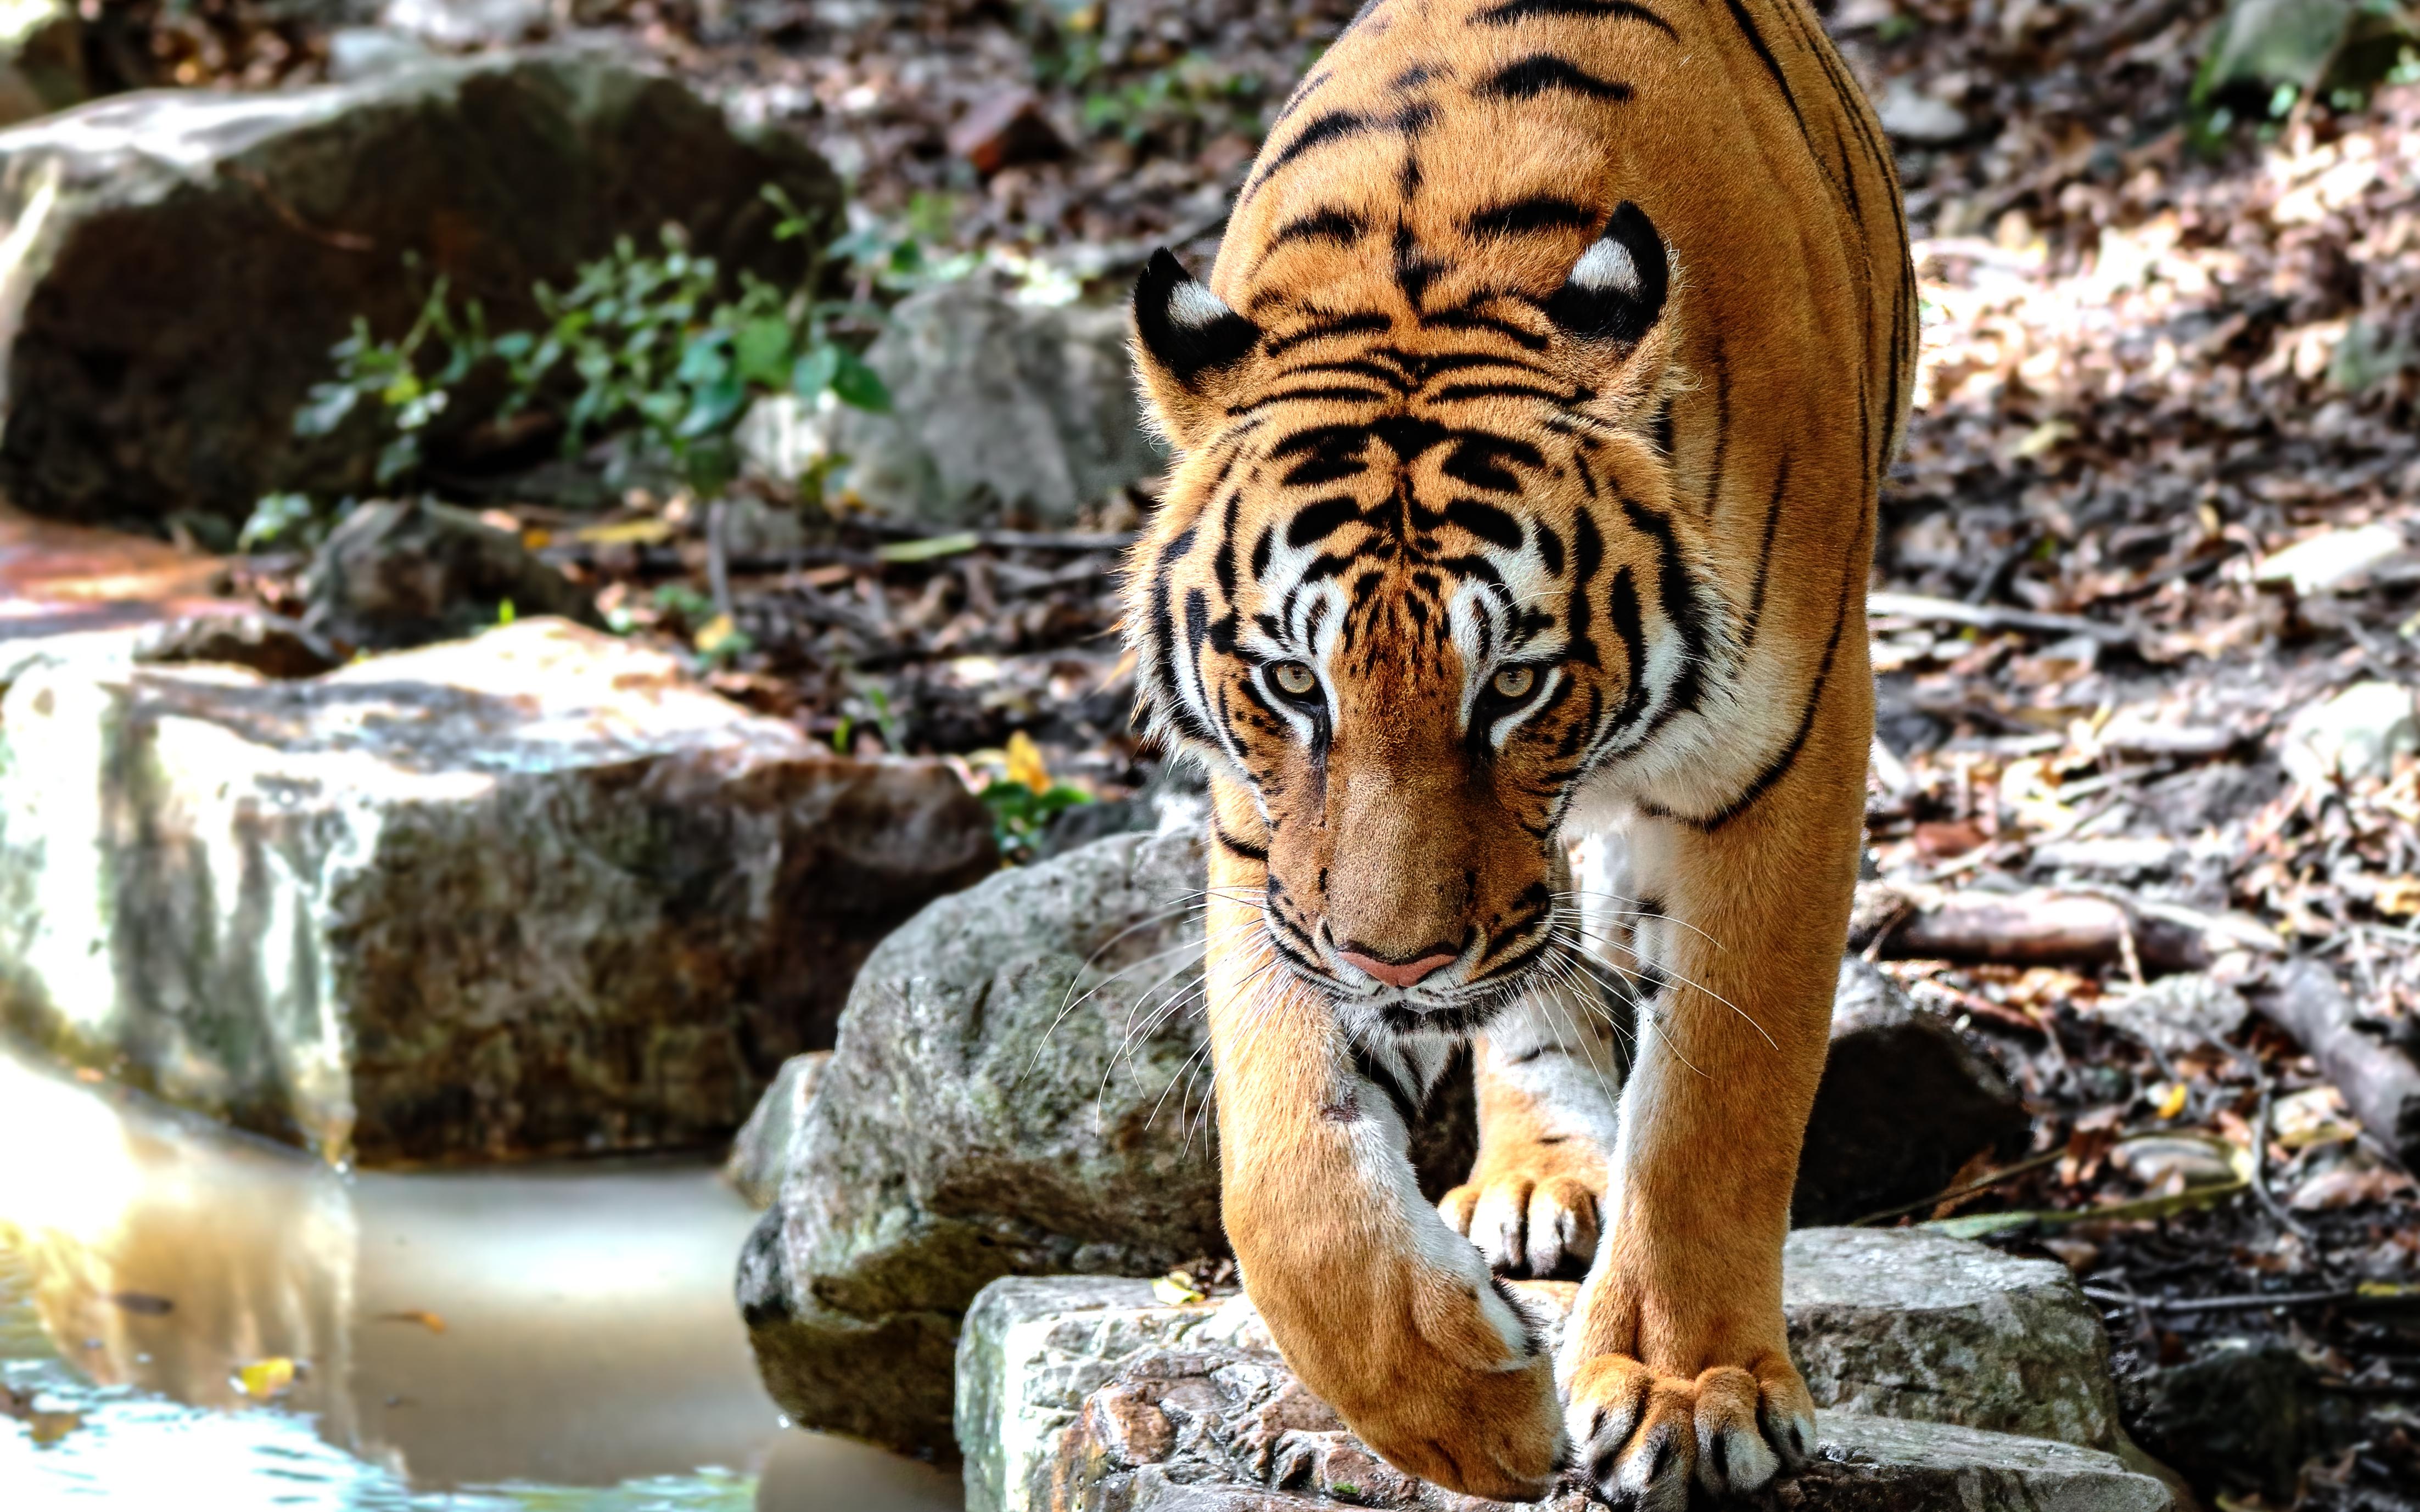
1506	390
1764	558
1538	213
1469	319
1342	227
1780	766
1406	1107
1341	325
1722	425
1512	12
1781	80
1314	392
1335	125
1677	589
1532	76
1245	849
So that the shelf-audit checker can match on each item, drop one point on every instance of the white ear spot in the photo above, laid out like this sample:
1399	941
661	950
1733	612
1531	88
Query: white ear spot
1608	265
1191	303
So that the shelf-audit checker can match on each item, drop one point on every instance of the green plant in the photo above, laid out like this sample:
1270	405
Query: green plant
1195	91
1019	814
640	345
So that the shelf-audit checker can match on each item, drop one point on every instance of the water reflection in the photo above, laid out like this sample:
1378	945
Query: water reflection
495	1333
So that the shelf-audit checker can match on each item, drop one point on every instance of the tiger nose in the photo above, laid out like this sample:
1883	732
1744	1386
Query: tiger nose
1399	974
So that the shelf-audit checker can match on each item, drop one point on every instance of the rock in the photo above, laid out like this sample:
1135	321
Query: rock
1903	1106
357	53
42	59
2356	736
1926	1353
996	1106
142	380
2243	1415
1008	128
467	24
2180	1014
1018	1090
269	644
536	892
998	409
393	575
1916	119
954	1138
2262	42
760	1152
2334	559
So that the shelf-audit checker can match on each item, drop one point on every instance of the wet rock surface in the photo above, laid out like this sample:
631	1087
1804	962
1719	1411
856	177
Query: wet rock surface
1950	1376
533	892
143	380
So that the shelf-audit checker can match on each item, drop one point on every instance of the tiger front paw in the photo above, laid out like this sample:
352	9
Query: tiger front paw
1639	1437
1532	1211
1440	1373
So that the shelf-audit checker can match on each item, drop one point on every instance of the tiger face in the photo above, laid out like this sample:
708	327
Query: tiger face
1419	583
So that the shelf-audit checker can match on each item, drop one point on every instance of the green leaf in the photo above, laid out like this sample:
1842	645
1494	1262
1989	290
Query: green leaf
326	408
858	384
762	352
813	373
713	408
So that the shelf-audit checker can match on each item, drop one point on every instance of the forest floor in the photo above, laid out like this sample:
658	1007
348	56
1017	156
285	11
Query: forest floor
2153	364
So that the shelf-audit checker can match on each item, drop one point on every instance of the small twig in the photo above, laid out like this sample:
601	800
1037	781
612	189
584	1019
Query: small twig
718	557
2260	1129
1982	1183
2245	1302
1991	617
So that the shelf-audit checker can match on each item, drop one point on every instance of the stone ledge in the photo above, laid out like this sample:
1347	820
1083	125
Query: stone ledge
1903	1327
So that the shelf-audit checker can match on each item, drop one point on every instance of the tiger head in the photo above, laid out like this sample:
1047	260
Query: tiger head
1419	578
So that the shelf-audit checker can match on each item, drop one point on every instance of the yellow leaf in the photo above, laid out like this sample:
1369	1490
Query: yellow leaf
416	1315
2171	1098
49	1428
1025	764
2399	896
713	633
1176	1290
264	1379
647	530
536	538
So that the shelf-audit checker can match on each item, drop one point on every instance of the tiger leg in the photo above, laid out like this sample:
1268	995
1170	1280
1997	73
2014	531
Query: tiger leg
1676	1362
1384	1312
1549	1084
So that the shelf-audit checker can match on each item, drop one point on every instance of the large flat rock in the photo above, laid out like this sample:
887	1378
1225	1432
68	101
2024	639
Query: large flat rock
534	893
1900	1326
180	261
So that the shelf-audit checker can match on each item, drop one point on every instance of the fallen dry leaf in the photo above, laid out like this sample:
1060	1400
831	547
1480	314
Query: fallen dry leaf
415	1315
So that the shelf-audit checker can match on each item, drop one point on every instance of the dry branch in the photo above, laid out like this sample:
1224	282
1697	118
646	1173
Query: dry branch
2379	1083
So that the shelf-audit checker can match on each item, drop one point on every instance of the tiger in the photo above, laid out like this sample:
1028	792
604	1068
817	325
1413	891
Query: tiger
1509	582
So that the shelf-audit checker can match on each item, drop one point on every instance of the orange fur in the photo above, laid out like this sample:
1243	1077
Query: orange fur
1532	421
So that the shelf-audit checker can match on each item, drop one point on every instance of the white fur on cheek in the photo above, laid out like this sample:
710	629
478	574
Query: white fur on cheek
1606	265
1191	303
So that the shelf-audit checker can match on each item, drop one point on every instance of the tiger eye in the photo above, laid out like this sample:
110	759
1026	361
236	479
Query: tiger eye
1294	679
1515	682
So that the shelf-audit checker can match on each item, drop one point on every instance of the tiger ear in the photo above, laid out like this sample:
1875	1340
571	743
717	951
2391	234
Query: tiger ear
1616	291
1186	341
